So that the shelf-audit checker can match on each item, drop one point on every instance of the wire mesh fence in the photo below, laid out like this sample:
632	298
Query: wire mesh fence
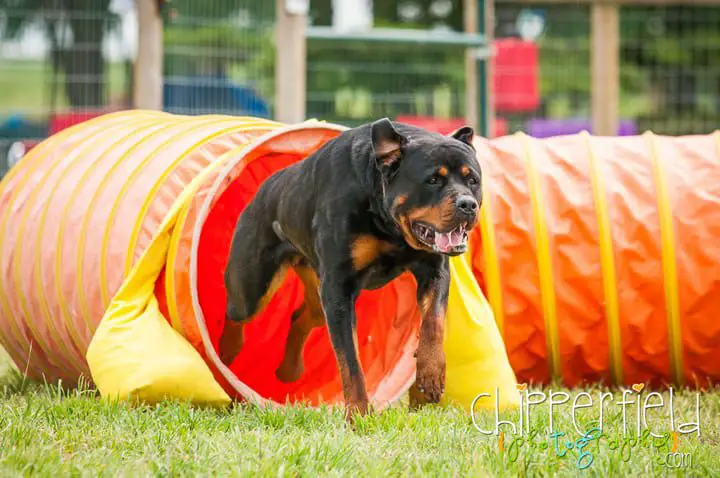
669	68
545	50
219	57
62	61
65	61
350	82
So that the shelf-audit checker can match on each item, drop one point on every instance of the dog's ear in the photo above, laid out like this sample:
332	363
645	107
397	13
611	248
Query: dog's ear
387	143
464	134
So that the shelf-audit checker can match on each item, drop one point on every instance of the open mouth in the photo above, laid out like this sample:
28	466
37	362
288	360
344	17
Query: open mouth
452	242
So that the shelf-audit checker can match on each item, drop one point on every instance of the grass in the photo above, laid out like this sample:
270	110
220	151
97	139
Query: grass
45	431
25	87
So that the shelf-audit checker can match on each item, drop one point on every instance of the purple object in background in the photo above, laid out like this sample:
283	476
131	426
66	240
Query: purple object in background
545	128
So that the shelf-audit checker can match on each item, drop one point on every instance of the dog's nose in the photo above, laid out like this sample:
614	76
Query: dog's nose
467	205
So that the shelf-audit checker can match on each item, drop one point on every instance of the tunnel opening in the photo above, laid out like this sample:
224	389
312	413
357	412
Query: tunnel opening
387	319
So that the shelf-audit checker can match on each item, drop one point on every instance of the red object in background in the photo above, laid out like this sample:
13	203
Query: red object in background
515	76
447	126
61	121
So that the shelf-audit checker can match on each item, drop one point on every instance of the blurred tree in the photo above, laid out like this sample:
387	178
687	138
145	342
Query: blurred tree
75	30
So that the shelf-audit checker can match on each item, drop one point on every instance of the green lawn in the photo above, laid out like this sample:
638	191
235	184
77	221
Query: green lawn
47	432
25	87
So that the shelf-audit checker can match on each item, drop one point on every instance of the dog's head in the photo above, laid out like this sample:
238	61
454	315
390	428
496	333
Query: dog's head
432	185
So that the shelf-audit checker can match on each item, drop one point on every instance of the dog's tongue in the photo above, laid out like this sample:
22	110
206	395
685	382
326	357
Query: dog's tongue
447	241
442	241
456	237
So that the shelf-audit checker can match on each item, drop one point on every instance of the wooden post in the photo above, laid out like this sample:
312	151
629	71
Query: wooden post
290	60
470	21
605	59
148	67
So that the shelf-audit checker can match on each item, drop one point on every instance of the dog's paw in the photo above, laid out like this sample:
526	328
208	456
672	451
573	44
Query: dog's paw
355	410
429	385
289	372
227	356
231	343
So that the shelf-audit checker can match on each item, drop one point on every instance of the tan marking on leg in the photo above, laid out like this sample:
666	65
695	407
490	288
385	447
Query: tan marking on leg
275	284
357	402
429	383
425	304
231	341
309	316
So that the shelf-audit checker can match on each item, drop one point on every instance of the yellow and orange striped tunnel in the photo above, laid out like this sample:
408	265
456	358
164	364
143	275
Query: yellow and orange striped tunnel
600	256
80	209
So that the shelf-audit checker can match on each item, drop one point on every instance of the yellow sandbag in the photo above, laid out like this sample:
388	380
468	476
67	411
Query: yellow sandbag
476	358
135	354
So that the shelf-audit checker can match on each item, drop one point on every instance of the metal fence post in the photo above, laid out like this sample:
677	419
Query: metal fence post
479	19
486	23
290	60
472	97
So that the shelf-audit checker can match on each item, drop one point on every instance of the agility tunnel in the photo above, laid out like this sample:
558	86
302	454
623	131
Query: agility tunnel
114	239
600	256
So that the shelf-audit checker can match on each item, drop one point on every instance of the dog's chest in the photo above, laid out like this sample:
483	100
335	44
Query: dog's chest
383	270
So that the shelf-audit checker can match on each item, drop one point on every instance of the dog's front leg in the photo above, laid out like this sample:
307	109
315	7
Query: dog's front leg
338	293
433	278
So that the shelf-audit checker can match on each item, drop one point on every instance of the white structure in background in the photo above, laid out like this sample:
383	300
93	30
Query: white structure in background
352	15
119	44
122	45
15	153
530	24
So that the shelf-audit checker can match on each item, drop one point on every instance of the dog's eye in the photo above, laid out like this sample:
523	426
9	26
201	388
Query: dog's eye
433	179
472	180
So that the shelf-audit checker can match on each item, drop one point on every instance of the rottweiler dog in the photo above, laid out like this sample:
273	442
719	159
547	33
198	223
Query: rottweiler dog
378	200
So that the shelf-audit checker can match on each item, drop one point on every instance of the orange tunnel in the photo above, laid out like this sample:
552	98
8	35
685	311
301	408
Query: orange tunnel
79	210
600	256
